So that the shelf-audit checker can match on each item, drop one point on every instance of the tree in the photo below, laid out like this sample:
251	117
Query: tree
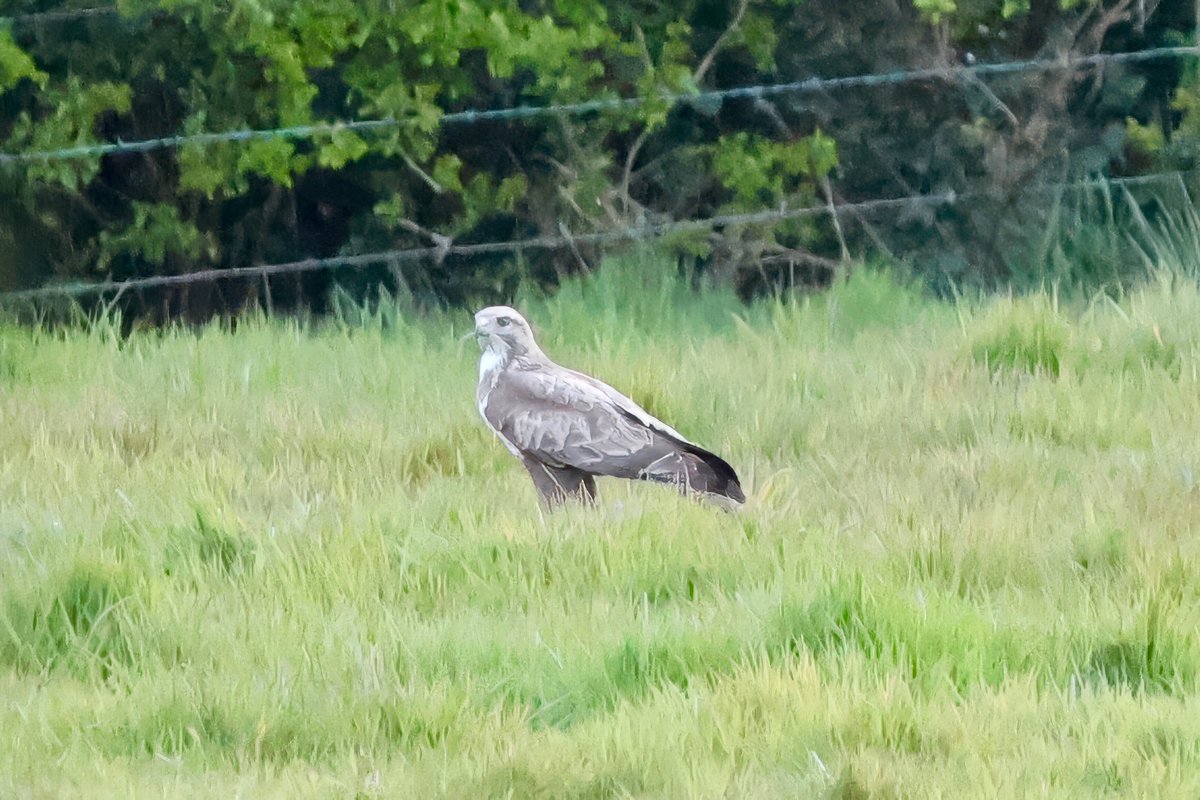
190	66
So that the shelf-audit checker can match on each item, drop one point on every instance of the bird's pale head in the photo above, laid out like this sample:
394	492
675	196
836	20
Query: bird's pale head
504	331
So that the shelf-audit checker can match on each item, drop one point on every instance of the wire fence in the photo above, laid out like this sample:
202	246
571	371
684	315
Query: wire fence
605	104
623	234
514	113
63	15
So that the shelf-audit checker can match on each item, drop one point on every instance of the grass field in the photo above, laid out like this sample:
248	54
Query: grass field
289	561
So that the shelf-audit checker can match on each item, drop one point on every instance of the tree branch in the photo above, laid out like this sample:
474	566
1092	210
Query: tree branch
440	241
425	176
698	75
707	62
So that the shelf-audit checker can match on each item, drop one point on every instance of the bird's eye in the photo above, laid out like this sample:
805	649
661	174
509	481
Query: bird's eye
503	322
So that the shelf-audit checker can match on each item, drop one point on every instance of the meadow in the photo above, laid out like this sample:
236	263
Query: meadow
288	560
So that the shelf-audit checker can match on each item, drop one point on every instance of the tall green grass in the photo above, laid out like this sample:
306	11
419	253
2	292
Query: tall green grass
290	561
1105	237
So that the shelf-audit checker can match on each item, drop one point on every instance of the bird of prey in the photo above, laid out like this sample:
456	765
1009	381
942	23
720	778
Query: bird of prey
567	427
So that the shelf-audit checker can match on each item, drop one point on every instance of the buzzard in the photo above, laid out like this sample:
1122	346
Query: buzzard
567	427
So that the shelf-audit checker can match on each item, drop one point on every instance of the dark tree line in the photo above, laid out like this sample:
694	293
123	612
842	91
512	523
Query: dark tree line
1004	145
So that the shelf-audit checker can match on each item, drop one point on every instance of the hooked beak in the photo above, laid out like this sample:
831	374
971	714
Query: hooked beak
479	336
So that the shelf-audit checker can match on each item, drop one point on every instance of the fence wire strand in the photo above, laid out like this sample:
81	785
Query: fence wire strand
515	113
626	234
63	15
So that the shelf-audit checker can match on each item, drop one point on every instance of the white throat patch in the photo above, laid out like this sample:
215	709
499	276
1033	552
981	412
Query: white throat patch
489	362
490	365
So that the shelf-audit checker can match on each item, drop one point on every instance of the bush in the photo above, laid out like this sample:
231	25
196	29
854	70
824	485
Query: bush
194	67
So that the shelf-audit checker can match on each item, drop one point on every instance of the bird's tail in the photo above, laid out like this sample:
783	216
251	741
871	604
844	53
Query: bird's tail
695	469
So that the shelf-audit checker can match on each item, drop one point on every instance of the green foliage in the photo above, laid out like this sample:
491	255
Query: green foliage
262	65
15	64
74	110
154	233
761	172
1144	139
936	9
975	12
343	147
269	158
1174	144
1187	103
194	67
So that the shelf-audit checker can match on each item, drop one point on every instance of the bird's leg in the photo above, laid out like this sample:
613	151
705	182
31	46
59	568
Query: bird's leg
557	484
587	489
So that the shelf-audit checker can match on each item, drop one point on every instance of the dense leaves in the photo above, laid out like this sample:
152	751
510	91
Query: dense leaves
159	68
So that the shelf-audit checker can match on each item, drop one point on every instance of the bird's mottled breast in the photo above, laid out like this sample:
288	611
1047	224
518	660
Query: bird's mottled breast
491	366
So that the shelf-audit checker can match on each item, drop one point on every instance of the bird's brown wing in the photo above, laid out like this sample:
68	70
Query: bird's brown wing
563	418
552	416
